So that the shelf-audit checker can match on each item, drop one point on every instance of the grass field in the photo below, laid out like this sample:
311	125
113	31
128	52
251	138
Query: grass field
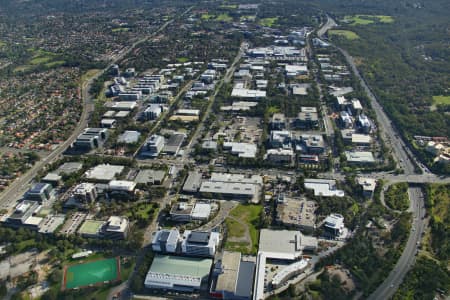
368	19
350	35
91	273
2	43
182	59
268	22
224	18
207	16
250	216
441	100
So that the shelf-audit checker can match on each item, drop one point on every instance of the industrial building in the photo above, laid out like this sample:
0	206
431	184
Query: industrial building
104	172
185	274
233	186
193	182
234	279
69	168
149	176
244	150
129	137
173	144
359	157
199	243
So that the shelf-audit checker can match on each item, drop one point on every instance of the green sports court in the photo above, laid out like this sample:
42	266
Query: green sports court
91	273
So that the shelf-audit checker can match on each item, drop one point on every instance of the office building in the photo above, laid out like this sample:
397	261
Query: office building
334	224
199	243
166	241
116	228
90	139
40	192
22	212
323	187
278	122
85	192
154	145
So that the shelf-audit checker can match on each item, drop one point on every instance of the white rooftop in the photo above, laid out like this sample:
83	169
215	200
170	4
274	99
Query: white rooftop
323	187
104	172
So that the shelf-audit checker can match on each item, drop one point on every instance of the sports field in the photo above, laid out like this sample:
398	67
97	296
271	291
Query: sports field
91	273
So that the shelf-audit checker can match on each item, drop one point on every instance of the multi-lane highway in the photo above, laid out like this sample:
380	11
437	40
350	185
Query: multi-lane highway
387	289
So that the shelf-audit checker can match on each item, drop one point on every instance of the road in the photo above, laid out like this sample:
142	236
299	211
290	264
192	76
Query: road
328	25
226	78
387	289
386	128
9	197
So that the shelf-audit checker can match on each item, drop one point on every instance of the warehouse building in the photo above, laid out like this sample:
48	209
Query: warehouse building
234	279
104	172
185	274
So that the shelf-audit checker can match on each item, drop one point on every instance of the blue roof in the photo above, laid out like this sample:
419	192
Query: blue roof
37	188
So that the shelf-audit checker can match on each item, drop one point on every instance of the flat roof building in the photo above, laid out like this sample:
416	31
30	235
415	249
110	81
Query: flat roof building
154	145
334	224
166	241
368	185
69	168
85	192
323	187
173	144
244	150
193	182
129	137
116	228
148	176
297	213
359	157
178	273
248	94
91	138
40	192
104	172
23	210
235	279
200	243
91	229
